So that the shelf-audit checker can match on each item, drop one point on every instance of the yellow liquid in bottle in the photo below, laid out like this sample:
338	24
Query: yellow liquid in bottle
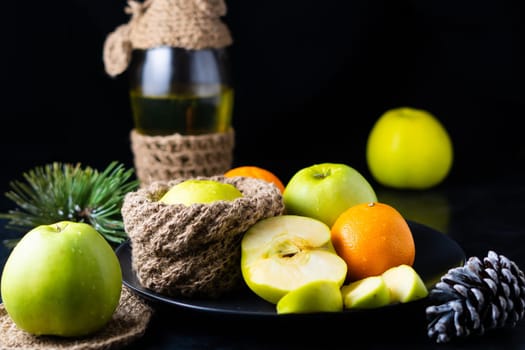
184	113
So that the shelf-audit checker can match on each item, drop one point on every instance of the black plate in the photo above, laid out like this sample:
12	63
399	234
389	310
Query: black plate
436	253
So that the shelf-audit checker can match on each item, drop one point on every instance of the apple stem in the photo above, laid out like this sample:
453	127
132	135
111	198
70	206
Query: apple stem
322	175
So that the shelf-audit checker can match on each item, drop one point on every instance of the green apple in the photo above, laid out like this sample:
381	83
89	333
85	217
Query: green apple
369	292
193	191
404	284
62	279
282	253
316	296
409	148
323	191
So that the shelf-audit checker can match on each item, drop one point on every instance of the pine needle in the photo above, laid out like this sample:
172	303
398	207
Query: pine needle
62	191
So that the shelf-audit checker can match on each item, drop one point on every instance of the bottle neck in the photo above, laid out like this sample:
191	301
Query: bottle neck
163	70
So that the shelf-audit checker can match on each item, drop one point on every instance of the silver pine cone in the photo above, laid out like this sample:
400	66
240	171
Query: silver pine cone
476	297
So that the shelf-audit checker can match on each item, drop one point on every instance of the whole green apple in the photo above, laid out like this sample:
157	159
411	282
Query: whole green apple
62	279
316	296
282	253
323	191
409	148
193	191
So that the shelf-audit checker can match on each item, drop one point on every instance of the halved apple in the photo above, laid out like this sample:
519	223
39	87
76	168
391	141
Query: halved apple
404	284
316	296
282	253
369	292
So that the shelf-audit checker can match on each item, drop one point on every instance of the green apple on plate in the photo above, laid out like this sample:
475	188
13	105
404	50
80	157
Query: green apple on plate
409	148
367	293
316	296
62	279
204	191
282	253
323	191
404	284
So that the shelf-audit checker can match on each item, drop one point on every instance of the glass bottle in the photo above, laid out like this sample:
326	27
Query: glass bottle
177	90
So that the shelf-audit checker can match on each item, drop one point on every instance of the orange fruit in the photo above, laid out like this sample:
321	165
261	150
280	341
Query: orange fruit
371	238
256	172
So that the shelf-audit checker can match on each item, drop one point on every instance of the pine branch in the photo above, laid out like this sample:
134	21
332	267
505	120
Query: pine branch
61	191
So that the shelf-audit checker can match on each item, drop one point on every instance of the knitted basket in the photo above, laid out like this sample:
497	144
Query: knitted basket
194	251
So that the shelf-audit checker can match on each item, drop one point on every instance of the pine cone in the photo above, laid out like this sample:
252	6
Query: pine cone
476	297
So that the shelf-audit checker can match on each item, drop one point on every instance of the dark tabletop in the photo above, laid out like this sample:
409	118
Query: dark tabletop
311	78
478	216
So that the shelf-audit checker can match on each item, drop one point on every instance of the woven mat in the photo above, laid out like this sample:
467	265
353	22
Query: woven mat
129	322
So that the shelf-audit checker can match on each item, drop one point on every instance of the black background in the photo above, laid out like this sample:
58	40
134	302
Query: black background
311	78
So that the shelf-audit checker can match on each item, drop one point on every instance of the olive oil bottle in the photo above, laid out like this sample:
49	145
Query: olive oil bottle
178	90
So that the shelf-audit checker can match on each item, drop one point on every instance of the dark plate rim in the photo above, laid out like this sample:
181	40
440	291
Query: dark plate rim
431	270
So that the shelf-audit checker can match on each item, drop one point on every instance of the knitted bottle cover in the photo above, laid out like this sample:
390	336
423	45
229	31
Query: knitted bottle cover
190	24
174	156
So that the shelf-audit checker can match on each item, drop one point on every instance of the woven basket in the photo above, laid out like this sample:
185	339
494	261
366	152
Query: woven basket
194	251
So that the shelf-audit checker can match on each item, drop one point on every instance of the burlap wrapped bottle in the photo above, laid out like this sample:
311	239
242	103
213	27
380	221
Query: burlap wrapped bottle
189	26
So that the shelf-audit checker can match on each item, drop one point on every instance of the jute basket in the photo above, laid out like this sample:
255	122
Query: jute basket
194	251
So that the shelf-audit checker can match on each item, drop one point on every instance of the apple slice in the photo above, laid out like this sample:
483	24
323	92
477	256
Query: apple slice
316	296
404	284
369	292
282	253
